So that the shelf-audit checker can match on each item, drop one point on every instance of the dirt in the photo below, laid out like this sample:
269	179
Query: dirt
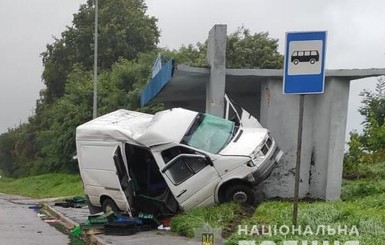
245	212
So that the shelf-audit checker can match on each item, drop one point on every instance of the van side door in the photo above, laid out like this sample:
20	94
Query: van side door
101	170
190	176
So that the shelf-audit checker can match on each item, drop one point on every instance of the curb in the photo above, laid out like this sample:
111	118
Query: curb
69	224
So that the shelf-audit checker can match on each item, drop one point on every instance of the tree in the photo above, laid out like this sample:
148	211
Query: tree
118	88
127	44
369	146
373	109
7	152
125	31
243	50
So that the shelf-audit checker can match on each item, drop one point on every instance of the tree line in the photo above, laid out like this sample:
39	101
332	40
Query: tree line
368	147
128	40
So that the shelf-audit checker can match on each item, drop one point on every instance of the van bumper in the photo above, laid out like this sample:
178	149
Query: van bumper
264	171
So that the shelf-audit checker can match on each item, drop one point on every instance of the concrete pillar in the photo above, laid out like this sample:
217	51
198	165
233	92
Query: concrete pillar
216	59
330	117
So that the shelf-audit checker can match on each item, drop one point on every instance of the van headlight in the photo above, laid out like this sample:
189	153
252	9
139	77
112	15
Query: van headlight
257	156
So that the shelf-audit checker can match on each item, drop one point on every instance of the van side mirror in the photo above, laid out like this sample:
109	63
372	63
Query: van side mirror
208	159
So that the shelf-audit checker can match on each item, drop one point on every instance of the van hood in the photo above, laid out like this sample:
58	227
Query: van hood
245	142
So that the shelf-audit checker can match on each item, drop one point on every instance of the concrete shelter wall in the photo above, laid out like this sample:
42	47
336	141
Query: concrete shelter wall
279	114
322	140
329	139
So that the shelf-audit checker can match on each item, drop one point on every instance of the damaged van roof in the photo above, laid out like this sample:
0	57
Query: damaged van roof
138	128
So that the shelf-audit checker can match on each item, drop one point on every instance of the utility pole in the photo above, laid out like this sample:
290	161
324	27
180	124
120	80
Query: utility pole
95	103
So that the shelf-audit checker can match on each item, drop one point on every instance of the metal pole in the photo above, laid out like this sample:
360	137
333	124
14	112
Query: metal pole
298	162
95	103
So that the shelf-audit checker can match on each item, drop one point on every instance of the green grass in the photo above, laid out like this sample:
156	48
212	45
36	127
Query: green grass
42	186
366	171
362	206
216	216
370	222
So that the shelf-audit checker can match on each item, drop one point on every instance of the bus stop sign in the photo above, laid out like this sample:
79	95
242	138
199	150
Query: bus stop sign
304	63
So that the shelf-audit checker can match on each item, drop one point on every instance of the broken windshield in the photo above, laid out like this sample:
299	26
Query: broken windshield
209	133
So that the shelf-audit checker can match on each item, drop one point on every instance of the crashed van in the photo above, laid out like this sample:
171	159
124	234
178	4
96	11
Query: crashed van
174	160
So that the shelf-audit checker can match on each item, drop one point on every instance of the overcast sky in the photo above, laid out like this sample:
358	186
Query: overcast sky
356	37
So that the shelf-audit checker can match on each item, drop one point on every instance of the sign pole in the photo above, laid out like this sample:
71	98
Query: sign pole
95	99
298	162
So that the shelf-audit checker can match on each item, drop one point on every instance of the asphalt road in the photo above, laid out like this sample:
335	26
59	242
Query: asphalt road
20	225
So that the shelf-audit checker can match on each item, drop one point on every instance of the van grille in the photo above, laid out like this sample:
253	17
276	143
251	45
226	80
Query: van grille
265	149
269	142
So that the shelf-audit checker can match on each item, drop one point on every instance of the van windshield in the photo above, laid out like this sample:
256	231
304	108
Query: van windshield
209	133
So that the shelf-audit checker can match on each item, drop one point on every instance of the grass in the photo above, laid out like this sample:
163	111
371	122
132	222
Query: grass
362	206
42	186
226	216
366	171
370	222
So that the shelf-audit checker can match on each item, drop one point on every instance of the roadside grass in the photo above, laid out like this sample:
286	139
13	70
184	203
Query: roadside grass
366	171
370	223
362	205
42	186
227	216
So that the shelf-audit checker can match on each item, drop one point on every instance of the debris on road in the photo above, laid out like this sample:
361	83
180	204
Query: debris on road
75	202
112	224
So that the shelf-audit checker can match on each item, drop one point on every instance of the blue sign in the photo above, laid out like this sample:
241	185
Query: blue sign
304	63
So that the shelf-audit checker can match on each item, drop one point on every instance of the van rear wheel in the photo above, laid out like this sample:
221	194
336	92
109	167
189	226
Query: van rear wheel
240	193
109	205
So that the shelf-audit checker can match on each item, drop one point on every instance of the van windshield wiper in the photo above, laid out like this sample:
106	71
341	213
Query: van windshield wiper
234	131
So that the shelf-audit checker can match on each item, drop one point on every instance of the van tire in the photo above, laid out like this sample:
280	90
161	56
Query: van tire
312	61
240	193
109	205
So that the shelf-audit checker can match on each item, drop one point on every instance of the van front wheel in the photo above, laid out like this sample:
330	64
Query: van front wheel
241	194
109	205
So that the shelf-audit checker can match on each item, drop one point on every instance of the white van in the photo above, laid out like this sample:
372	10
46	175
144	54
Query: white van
174	160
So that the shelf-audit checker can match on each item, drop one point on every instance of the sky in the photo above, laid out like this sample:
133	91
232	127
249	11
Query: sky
356	37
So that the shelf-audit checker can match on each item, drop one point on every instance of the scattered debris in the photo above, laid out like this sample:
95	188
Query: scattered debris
51	221
75	202
162	227
36	207
119	224
41	215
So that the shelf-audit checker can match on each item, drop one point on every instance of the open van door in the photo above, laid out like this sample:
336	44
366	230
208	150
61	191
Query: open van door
103	171
236	113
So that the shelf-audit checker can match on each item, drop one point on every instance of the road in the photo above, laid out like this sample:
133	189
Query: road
20	225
